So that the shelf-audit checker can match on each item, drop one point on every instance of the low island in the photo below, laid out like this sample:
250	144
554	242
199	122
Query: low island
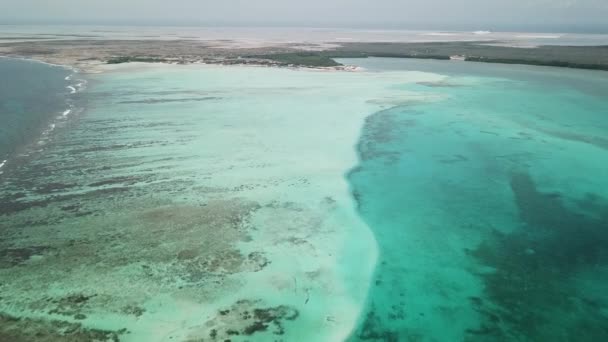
86	53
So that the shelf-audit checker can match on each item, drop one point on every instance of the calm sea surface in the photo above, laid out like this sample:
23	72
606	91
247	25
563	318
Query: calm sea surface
490	207
416	200
31	94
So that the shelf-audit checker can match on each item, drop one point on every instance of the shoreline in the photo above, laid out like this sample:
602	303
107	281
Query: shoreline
88	55
42	61
97	67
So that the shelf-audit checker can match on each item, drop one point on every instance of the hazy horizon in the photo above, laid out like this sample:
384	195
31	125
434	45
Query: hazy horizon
468	15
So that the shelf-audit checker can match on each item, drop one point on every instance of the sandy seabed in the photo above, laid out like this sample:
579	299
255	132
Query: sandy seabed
197	203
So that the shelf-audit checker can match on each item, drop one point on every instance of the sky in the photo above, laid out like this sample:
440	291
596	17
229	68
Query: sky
516	15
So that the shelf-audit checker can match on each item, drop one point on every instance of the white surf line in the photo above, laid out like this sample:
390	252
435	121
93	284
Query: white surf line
81	85
44	137
2	164
68	78
66	112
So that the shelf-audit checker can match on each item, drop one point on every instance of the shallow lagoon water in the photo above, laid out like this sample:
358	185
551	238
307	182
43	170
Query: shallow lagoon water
197	202
418	200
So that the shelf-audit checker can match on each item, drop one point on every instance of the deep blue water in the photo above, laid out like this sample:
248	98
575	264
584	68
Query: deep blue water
31	94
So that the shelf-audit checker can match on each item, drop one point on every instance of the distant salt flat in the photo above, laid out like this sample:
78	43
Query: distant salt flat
440	34
271	36
527	36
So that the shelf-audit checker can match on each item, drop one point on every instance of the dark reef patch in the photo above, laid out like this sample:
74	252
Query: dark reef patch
10	257
535	266
49	188
439	84
70	305
246	318
381	129
125	180
133	309
185	99
587	139
373	329
17	329
67	202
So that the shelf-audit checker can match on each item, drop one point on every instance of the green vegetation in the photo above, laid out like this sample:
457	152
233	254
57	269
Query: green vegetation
128	59
188	51
581	57
309	59
538	62
326	58
387	54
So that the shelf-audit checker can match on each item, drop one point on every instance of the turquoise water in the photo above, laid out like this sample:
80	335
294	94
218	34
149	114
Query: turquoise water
490	207
418	200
